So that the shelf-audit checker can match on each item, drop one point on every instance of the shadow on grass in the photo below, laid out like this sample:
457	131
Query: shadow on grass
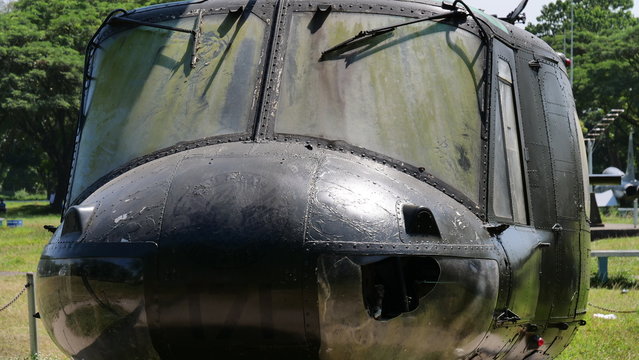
615	281
30	210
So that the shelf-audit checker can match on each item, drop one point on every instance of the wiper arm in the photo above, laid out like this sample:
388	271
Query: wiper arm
195	33
118	19
383	30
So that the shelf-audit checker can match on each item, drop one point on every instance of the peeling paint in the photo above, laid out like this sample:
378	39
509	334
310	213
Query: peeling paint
121	218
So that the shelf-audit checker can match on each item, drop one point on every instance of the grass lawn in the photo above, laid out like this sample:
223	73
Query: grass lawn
613	216
622	271
603	339
20	247
14	326
20	250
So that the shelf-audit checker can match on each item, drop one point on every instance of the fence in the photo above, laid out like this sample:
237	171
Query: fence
29	288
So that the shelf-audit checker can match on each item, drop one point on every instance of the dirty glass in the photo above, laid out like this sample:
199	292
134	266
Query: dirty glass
502	203
508	119
145	96
411	94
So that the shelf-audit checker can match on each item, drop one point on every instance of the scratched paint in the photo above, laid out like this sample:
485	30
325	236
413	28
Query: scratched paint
446	324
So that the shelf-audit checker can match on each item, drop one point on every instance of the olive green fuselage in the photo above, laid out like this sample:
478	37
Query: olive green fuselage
244	188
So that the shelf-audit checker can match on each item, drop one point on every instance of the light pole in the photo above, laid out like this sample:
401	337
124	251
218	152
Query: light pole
572	30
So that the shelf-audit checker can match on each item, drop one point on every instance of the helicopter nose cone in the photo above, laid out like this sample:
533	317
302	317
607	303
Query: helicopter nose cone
229	213
230	255
226	240
243	250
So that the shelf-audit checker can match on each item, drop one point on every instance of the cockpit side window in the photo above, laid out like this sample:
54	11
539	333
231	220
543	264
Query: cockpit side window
508	191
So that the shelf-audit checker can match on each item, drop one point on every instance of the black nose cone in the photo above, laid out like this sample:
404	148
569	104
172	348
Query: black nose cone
230	258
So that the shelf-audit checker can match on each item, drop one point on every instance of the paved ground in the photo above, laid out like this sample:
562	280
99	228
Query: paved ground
10	273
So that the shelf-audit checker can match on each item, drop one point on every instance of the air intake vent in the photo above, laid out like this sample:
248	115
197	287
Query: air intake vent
76	220
419	221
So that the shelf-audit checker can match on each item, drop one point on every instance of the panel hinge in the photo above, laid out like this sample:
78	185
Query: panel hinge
534	64
507	316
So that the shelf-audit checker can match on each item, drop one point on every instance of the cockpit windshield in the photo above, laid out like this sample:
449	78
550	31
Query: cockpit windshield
144	95
413	94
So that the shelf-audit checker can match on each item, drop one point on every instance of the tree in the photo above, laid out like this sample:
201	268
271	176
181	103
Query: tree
606	65
22	168
42	45
595	16
609	78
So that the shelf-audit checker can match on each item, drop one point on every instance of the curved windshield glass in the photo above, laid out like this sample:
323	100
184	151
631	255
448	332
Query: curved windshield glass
145	96
411	94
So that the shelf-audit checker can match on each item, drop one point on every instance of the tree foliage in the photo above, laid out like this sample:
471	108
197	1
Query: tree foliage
605	65
595	16
42	45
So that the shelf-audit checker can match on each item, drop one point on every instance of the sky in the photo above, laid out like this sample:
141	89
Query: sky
532	10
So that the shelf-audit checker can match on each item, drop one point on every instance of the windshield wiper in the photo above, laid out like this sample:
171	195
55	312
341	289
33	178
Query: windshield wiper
196	33
383	30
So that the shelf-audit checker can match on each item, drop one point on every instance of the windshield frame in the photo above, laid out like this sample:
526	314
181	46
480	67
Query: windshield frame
264	111
406	10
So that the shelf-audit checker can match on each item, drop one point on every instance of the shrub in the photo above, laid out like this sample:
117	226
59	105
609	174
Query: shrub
24	195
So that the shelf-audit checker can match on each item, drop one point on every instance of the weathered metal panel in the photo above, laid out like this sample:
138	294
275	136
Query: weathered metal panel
449	323
535	139
316	243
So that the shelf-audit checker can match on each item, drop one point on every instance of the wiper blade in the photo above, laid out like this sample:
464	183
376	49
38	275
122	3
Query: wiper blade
118	19
383	30
195	33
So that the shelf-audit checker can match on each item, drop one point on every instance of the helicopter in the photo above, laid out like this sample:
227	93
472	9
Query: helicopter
320	180
627	189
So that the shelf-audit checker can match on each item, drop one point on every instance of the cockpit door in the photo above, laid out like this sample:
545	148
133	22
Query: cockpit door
508	199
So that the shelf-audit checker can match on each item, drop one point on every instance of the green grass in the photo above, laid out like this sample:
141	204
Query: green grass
20	250
14	329
22	195
603	339
20	247
622	271
614	216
